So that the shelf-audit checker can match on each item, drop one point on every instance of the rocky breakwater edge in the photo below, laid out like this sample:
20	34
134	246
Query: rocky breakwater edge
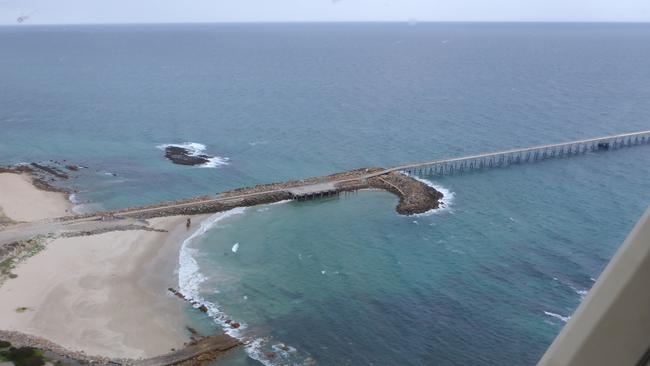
415	197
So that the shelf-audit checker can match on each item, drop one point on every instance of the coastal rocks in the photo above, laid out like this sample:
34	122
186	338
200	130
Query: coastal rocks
16	169
201	307
43	185
177	293
184	156
196	304
201	352
44	175
415	196
50	170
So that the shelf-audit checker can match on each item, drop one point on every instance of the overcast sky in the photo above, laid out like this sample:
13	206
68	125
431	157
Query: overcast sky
165	11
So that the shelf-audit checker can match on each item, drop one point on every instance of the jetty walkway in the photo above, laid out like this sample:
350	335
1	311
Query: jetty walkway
524	155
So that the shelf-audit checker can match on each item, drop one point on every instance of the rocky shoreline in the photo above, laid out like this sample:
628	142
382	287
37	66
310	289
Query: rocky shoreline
56	352
43	176
199	351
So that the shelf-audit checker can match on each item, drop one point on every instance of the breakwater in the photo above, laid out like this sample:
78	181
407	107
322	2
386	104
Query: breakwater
414	196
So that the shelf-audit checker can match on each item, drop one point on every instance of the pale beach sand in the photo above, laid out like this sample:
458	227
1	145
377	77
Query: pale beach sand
104	294
21	201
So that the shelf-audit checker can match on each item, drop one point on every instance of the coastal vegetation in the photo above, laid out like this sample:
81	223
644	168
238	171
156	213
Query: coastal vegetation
22	356
14	253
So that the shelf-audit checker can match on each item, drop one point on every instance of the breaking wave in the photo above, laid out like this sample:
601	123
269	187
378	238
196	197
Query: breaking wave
582	293
189	282
81	208
558	316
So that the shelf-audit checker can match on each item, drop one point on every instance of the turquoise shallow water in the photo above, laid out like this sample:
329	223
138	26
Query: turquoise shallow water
347	281
486	282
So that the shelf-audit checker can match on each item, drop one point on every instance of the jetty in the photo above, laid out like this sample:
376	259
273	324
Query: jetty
414	196
524	155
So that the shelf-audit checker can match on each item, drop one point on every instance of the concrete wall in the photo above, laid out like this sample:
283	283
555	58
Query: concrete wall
612	325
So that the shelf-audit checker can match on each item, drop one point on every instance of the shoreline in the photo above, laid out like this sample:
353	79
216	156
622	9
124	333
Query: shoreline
96	292
105	294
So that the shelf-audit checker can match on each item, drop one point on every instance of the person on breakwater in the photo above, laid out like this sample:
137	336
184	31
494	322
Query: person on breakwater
189	222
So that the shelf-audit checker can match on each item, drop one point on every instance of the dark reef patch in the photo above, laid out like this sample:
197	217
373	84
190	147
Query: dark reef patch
183	156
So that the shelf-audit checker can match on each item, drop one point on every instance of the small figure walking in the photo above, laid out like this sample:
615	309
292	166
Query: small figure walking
189	222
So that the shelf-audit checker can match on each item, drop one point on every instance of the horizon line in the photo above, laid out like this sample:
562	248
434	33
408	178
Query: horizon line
413	22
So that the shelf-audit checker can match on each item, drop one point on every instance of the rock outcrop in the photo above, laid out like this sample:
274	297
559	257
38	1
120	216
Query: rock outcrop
183	156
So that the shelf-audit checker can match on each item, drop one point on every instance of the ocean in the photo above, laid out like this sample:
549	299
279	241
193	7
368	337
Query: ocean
489	280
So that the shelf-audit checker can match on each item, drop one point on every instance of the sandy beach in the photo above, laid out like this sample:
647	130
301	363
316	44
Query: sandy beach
102	294
21	201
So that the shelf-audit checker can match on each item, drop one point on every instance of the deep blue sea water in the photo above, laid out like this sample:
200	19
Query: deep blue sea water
347	281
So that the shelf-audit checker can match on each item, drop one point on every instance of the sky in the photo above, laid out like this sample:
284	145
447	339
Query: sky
22	12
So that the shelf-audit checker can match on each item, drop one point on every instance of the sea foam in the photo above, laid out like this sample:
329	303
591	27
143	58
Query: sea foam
195	149
189	274
189	283
76	208
81	208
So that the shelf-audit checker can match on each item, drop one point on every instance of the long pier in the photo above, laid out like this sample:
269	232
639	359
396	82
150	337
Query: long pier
415	197
523	155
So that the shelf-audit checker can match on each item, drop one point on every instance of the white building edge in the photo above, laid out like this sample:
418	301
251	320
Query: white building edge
612	325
